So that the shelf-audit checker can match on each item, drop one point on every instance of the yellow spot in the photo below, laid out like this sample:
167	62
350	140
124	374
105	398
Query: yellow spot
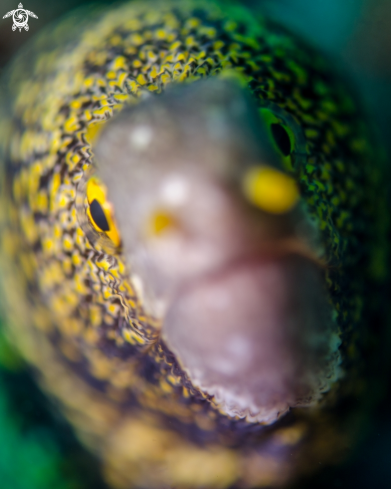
67	243
72	160
75	104
132	337
103	264
136	39
159	222
93	131
121	79
103	112
166	78
111	75
133	85
193	22
121	97
116	40
181	57
72	124
173	380
113	309
160	34
107	292
63	199
141	80
67	266
190	41
153	73
174	46
42	202
119	62
76	259
88	82
121	267
56	182
270	189
209	31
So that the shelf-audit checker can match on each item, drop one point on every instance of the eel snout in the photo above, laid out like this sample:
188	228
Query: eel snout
240	296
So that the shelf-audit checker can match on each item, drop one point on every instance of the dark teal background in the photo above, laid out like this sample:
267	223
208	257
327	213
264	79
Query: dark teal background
37	448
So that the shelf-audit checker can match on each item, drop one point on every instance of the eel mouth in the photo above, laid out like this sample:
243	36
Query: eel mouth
256	335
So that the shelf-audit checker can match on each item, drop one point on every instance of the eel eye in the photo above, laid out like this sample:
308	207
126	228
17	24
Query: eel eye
281	138
98	216
100	211
284	135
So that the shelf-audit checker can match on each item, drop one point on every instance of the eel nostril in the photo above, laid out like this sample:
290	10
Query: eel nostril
159	222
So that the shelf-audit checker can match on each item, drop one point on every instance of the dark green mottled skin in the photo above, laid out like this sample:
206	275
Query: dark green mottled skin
73	312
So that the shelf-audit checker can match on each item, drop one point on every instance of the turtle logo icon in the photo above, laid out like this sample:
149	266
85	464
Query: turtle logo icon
20	17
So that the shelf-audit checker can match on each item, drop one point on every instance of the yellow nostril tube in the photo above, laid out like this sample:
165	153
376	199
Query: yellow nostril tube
270	190
159	222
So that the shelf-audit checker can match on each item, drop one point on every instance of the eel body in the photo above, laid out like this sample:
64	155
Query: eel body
193	280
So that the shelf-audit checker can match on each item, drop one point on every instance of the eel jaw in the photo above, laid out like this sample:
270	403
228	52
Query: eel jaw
257	336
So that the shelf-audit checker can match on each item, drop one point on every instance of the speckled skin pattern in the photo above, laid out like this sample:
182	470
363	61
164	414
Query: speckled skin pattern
72	309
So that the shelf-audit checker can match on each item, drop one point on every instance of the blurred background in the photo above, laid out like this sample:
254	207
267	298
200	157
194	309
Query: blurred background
38	449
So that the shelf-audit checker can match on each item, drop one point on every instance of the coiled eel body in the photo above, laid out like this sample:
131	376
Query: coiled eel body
121	321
